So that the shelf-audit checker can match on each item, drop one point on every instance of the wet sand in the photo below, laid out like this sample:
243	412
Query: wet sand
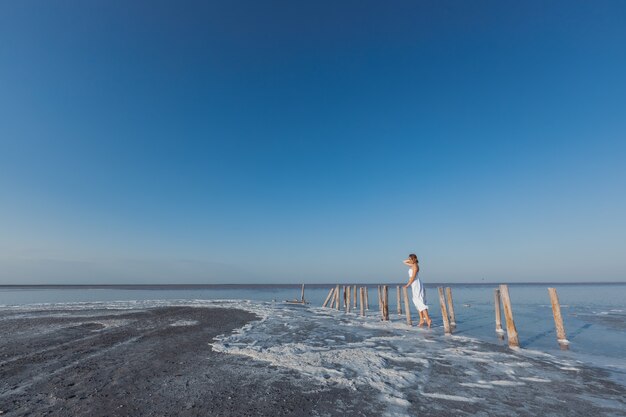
154	362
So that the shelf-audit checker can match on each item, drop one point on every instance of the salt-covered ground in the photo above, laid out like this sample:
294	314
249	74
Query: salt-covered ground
423	372
321	362
123	359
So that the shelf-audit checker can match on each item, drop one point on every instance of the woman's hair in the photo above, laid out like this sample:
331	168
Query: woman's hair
413	257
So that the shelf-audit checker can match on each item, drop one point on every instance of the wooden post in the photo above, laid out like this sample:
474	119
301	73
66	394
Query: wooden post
558	319
385	303
302	294
511	331
348	300
330	294
362	294
398	299
444	312
367	299
332	300
496	301
354	296
407	307
337	294
450	306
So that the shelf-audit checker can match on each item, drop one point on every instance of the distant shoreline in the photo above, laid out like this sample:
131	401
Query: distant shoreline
295	285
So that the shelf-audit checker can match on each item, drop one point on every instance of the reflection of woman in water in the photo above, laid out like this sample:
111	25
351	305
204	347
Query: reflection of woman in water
417	288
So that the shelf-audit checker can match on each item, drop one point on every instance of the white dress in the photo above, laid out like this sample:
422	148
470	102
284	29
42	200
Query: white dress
419	293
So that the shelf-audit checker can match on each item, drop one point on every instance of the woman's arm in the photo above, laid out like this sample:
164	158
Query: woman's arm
413	275
407	262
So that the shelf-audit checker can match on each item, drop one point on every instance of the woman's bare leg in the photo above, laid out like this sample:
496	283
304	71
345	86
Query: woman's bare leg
426	317
421	323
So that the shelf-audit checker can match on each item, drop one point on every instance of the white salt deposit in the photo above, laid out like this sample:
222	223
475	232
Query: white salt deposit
450	397
399	362
181	323
532	379
506	383
476	385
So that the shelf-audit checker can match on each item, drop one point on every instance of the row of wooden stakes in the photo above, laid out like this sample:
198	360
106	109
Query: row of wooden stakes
348	299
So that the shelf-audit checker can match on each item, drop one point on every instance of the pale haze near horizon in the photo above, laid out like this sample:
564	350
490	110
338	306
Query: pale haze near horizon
208	143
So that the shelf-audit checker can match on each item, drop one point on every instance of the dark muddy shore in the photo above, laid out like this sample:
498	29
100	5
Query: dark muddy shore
155	362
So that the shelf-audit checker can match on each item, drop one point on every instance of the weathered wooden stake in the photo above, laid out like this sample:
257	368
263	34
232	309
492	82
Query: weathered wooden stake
450	306
345	294
367	299
302	294
332	301
496	302
511	331
354	296
399	300
362	296
444	312
385	303
380	300
330	294
348	300
407	307
337	297
558	319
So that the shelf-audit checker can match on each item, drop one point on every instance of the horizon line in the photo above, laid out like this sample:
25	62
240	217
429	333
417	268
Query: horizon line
300	284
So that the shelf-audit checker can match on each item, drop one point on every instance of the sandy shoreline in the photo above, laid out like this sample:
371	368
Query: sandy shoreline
153	362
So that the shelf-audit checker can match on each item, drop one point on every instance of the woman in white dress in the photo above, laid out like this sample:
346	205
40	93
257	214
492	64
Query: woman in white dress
417	288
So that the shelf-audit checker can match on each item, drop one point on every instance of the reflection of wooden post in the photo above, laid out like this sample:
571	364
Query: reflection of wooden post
348	300
558	319
511	331
496	302
407	307
450	306
385	303
444	311
343	297
362	296
330	294
367	299
398	299
354	296
302	294
337	297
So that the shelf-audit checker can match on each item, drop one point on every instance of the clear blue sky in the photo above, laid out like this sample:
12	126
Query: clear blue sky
249	141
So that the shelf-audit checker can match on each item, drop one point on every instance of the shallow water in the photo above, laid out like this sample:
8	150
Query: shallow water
594	314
